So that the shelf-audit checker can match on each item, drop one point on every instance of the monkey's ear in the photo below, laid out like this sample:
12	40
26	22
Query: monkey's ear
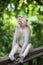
26	20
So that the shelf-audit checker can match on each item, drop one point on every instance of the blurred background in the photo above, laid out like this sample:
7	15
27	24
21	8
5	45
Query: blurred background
10	10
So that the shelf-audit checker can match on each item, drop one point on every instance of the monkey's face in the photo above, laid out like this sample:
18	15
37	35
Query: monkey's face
22	21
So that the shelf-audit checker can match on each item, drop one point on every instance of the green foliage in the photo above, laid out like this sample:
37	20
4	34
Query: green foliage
7	29
37	38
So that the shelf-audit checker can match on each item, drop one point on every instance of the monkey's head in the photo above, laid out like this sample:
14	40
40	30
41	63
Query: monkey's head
22	21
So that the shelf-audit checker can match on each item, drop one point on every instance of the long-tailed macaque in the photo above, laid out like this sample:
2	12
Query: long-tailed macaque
21	42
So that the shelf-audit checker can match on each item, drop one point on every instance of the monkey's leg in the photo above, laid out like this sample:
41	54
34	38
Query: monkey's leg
13	51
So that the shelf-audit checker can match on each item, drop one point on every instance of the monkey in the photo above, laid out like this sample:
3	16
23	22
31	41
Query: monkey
22	40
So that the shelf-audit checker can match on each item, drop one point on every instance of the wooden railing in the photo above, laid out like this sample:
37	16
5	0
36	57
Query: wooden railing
33	54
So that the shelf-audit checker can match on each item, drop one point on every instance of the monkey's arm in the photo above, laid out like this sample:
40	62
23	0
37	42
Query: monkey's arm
16	36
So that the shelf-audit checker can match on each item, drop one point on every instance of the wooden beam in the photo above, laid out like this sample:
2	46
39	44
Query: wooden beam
37	52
